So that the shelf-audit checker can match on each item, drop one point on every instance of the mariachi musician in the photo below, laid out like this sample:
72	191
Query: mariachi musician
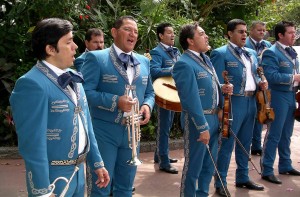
108	73
241	64
256	42
52	118
200	96
163	57
281	68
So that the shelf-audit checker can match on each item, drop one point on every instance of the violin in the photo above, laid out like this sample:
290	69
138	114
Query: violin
226	117
265	113
297	111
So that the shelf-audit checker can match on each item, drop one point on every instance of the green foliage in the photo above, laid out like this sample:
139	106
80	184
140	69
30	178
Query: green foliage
18	19
281	10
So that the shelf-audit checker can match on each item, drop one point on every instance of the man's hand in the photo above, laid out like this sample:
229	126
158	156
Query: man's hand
263	85
145	111
297	77
204	137
103	177
227	89
125	103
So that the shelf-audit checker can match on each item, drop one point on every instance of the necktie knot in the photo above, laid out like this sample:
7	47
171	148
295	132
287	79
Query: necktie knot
68	78
292	53
127	59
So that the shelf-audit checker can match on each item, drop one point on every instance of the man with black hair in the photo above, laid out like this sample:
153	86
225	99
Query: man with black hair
94	40
281	68
163	58
115	78
52	118
241	64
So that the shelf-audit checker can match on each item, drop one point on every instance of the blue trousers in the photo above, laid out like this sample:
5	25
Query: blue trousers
113	144
256	140
198	168
279	135
77	185
164	125
244	112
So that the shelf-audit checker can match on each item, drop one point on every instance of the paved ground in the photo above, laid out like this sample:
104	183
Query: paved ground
150	182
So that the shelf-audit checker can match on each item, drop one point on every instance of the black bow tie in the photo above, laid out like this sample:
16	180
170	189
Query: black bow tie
291	52
172	51
126	59
260	45
68	78
241	51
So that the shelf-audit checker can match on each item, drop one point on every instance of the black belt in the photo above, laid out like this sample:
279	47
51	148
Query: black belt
249	93
81	158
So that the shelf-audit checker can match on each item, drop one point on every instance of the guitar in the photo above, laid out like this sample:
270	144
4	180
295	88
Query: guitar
166	95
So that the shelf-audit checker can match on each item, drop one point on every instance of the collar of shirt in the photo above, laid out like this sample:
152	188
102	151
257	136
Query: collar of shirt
86	50
234	45
282	45
119	51
166	46
196	53
55	69
254	41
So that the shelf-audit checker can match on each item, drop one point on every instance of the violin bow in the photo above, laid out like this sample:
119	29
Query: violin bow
216	169
225	73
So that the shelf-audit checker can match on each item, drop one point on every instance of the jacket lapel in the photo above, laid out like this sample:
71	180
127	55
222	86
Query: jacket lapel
53	77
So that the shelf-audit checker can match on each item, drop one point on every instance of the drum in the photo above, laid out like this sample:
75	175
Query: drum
166	95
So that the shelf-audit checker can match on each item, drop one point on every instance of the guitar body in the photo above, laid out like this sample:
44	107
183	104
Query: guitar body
166	95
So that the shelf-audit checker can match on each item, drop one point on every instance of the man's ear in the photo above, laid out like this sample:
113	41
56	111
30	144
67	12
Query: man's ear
161	36
229	33
113	32
190	41
50	50
86	43
280	35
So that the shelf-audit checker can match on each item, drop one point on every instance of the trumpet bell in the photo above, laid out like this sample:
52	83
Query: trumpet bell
134	161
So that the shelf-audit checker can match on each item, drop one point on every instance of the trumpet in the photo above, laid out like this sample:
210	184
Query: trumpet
134	131
63	193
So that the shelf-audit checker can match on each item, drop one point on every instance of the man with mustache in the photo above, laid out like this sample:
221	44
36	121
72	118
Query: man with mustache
241	64
114	77
94	40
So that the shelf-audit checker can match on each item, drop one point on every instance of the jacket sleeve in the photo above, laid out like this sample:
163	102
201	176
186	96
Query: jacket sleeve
218	61
156	66
271	65
188	92
94	158
29	103
91	71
